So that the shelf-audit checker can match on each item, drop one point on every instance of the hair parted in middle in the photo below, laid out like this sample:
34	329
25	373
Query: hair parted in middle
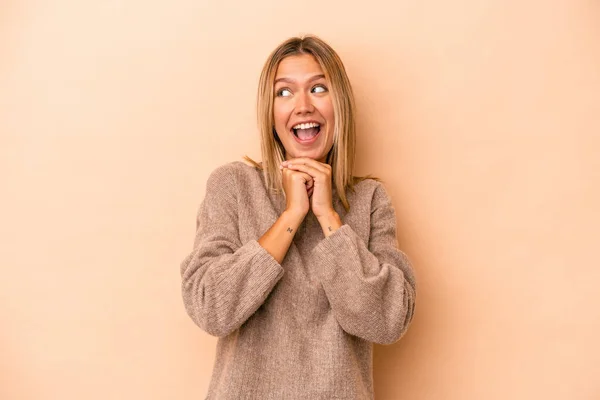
341	156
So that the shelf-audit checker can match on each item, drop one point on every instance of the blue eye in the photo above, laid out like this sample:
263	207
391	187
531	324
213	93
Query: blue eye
319	89
284	92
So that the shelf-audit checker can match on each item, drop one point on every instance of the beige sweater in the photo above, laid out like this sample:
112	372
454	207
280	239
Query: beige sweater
302	329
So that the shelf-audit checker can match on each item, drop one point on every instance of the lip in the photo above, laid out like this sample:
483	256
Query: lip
311	140
305	122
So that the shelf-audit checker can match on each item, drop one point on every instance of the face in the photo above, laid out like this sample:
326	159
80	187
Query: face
303	108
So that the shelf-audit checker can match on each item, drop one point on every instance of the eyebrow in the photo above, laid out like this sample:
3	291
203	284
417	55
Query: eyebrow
289	80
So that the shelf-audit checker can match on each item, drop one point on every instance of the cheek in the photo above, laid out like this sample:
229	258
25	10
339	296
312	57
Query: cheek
330	119
326	110
280	116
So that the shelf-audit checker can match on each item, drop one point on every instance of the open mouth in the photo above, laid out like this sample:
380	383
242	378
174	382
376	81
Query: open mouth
306	133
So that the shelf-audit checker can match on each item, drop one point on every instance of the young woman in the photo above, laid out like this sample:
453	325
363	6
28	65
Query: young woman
295	265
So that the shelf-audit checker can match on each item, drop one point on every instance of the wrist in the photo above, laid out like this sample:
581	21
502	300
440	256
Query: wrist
292	216
330	222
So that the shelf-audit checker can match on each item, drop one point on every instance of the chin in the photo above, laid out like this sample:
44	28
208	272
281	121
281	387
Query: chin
311	156
315	154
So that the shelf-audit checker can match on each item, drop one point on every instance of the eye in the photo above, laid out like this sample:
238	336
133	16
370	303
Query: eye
319	89
285	92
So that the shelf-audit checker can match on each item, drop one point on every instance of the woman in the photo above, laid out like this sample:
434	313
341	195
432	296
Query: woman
295	264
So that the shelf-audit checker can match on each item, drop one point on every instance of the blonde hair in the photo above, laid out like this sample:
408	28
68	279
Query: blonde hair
341	155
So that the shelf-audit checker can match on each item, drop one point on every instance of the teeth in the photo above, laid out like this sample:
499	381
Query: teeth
306	126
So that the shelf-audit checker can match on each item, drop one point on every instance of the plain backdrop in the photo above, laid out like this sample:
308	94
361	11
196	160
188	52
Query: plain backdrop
481	117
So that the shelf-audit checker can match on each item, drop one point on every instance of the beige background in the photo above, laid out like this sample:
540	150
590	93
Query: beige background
482	117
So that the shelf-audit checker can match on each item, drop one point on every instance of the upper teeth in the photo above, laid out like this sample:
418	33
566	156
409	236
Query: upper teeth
306	126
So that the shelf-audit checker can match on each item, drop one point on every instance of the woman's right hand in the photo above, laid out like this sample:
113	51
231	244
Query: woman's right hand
298	187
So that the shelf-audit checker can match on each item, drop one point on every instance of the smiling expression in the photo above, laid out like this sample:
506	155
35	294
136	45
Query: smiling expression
303	100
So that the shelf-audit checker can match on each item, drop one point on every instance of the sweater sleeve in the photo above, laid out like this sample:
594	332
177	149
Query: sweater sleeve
224	281
371	289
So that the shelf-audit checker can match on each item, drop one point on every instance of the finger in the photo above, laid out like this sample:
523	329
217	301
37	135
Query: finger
309	182
308	161
291	172
308	179
309	169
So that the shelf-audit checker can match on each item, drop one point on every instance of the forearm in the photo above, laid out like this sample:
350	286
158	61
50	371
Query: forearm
221	290
371	291
278	238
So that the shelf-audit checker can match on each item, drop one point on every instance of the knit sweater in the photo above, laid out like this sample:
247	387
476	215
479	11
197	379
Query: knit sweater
302	329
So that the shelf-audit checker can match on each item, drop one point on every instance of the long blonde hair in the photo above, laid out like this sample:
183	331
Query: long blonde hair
341	155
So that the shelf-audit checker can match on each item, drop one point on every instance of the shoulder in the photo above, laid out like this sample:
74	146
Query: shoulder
233	168
371	189
233	174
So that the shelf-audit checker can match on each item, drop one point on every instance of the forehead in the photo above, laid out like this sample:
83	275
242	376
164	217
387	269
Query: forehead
298	67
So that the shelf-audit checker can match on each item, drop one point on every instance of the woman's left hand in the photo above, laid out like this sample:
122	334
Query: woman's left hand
321	200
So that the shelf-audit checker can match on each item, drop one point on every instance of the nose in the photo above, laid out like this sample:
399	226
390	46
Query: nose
304	104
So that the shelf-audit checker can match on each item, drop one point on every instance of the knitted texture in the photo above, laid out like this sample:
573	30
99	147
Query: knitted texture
302	329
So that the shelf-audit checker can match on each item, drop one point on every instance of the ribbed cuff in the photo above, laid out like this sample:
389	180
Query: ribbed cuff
339	246
265	266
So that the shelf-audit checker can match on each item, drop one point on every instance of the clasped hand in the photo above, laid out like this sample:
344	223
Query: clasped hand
307	184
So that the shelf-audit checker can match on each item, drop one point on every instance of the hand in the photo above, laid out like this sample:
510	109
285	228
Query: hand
320	173
296	185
